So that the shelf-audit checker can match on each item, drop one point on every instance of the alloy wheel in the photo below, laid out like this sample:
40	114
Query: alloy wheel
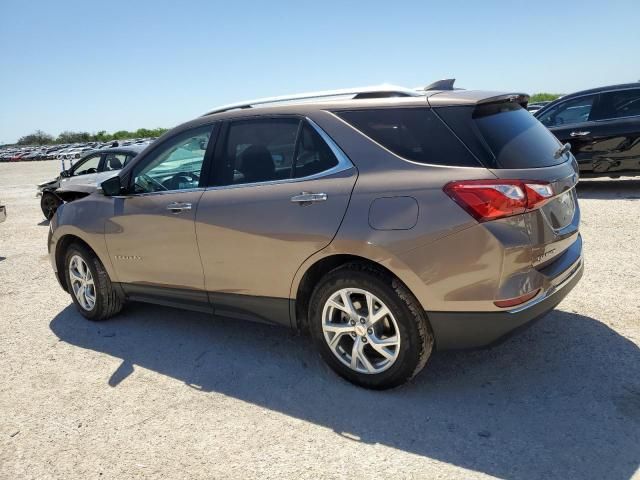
360	330
82	282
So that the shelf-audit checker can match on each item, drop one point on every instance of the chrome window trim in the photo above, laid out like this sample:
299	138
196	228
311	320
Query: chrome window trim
343	164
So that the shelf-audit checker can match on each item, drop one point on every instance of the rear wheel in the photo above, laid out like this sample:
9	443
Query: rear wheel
89	284
49	203
368	327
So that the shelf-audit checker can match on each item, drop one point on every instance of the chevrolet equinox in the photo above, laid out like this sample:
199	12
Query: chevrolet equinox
385	222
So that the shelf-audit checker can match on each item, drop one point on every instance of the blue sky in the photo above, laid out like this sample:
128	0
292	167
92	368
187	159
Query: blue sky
83	65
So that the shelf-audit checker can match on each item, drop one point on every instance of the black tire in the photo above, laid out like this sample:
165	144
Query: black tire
49	203
416	337
108	301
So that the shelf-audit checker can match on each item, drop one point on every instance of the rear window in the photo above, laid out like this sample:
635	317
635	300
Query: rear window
515	137
416	134
503	135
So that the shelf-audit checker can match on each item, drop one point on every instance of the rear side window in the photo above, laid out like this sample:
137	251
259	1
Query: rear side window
619	104
259	150
415	134
516	139
114	161
313	155
268	149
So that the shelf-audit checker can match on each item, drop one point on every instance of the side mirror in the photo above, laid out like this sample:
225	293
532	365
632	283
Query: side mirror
111	187
65	173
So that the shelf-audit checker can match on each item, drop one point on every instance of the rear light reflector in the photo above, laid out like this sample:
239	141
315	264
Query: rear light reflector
492	199
512	302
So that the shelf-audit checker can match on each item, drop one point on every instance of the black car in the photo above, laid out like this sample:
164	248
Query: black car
603	127
108	159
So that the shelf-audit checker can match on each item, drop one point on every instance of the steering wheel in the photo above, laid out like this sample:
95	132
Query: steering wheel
152	181
181	177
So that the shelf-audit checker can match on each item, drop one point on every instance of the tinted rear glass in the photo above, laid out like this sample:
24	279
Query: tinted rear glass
503	135
515	137
416	134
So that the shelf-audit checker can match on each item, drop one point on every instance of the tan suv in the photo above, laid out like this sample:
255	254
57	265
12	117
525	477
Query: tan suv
385	222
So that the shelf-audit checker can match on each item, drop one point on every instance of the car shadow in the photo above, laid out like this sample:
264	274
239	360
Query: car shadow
44	223
609	189
561	400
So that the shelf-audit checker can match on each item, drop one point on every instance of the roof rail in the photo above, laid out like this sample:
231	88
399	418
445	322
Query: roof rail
376	91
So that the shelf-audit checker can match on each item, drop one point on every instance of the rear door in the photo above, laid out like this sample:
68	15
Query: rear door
279	192
616	139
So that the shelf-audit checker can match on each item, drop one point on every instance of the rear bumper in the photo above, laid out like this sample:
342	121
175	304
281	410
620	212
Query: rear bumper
459	330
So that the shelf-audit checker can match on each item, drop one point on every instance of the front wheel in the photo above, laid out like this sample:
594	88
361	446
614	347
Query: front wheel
49	203
368	327
89	284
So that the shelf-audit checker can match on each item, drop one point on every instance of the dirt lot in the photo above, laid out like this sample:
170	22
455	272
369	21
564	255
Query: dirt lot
164	393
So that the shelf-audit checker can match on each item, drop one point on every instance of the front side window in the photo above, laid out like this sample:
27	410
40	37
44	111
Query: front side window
619	104
174	165
89	165
577	110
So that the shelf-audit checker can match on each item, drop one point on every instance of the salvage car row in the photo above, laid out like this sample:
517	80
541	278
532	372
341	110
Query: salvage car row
62	151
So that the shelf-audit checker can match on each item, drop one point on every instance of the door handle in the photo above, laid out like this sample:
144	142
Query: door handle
306	198
579	134
178	207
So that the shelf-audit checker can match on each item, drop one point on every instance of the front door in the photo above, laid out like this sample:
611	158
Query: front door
279	193
151	236
570	122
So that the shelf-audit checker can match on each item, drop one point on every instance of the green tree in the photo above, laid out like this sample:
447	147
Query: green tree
36	138
544	97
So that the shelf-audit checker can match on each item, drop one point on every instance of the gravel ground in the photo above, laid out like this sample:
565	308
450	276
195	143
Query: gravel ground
163	393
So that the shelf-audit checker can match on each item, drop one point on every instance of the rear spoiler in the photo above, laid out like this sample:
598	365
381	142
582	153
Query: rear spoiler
521	98
475	97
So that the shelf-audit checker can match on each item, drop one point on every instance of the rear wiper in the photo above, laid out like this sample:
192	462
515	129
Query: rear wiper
562	150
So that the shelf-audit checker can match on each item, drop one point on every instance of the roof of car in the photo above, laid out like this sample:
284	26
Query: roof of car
549	106
126	148
621	86
433	98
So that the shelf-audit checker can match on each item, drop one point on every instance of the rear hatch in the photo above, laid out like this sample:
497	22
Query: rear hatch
510	142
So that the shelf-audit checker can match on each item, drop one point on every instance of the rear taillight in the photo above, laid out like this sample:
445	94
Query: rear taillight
491	199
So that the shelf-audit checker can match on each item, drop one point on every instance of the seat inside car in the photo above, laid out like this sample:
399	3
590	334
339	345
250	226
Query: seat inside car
257	164
114	163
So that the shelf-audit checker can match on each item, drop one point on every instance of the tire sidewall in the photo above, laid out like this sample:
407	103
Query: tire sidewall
45	197
380	286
